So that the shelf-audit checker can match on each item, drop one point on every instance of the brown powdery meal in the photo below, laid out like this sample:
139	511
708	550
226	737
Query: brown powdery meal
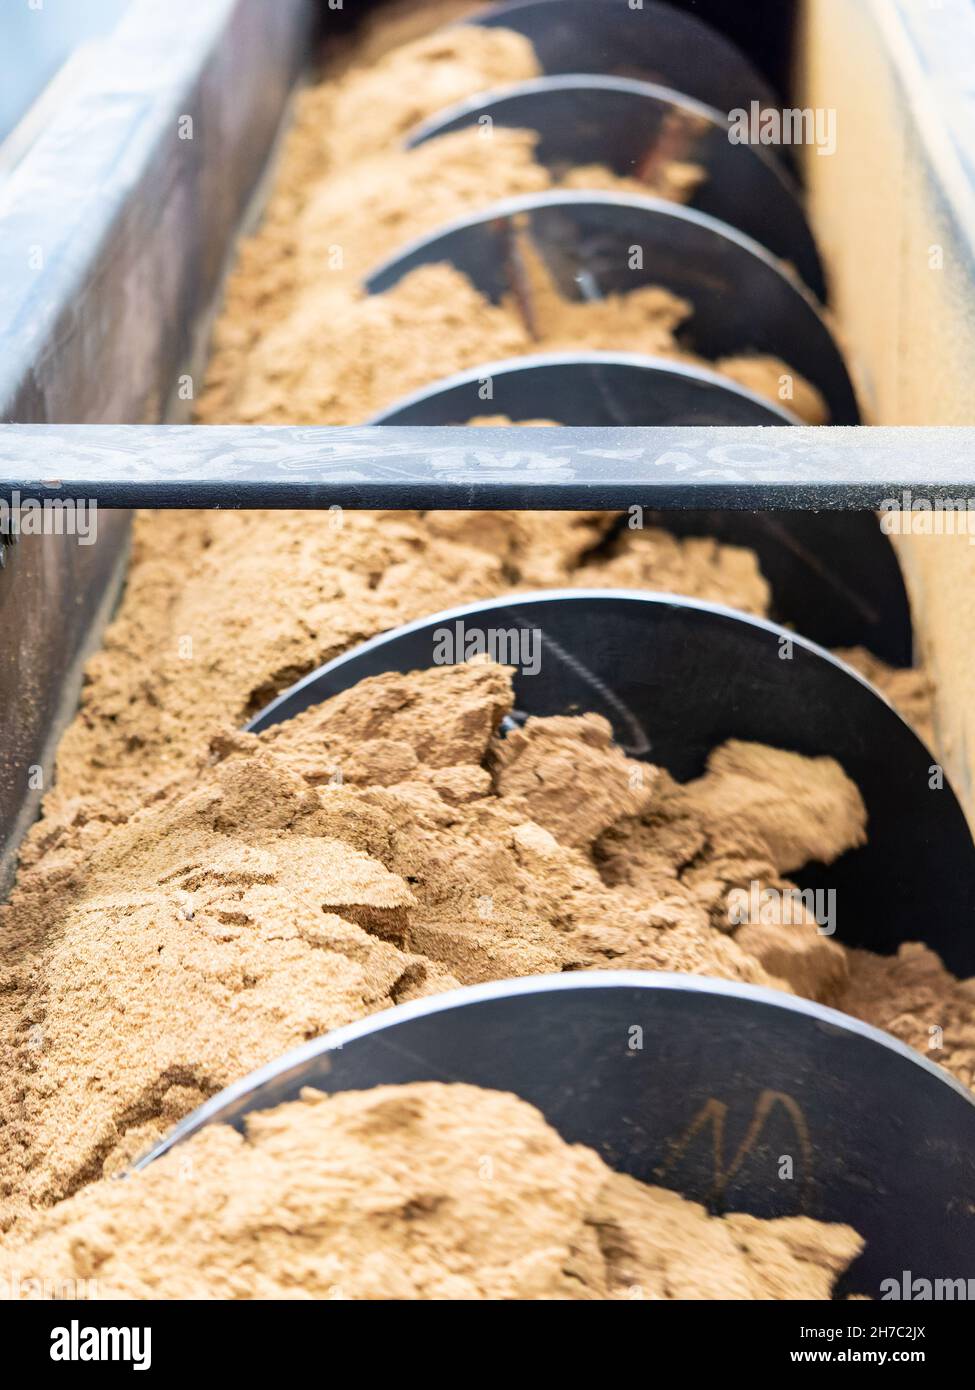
410	1192
909	690
392	25
378	848
181	916
299	342
223	610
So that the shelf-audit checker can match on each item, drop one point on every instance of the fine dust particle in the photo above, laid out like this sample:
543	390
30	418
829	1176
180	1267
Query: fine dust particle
382	846
298	341
424	1191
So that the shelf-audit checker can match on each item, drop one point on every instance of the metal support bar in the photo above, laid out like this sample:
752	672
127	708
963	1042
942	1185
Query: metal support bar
752	469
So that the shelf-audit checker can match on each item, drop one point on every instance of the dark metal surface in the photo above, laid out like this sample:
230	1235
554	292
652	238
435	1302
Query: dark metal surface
410	467
743	299
636	127
676	678
54	597
699	1085
592	388
656	42
834	575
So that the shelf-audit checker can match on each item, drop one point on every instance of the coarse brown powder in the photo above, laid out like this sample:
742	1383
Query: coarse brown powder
299	341
379	847
414	1192
182	916
223	610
